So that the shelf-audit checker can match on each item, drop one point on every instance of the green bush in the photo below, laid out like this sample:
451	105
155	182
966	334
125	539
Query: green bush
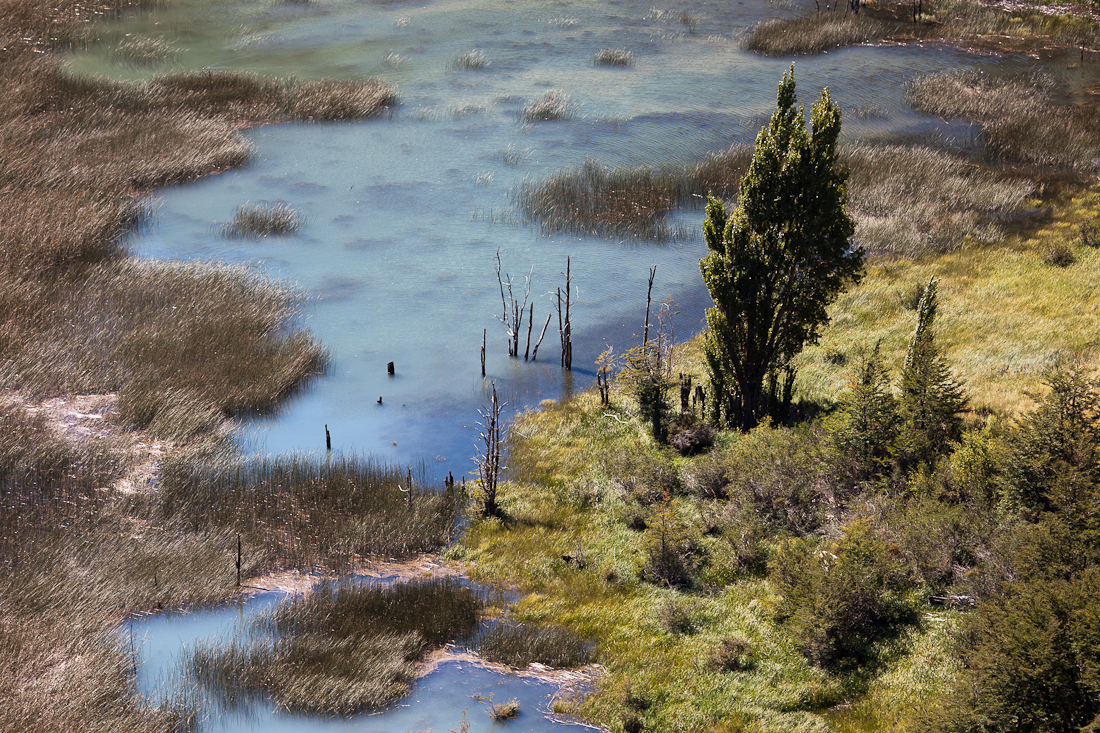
840	600
1032	661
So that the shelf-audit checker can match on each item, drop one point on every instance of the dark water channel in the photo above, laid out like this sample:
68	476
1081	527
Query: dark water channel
405	215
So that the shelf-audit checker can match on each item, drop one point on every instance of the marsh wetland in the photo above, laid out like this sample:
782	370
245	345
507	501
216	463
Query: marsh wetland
224	220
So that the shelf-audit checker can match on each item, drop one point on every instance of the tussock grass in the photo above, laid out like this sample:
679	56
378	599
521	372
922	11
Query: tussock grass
817	32
341	649
305	511
518	645
906	200
257	220
1018	29
474	60
1020	122
552	105
620	57
912	201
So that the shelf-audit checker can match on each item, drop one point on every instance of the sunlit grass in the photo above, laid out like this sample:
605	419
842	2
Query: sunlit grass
1005	315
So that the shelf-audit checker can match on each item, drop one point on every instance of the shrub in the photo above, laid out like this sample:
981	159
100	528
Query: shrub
838	601
669	545
688	434
676	618
1032	661
1058	254
732	655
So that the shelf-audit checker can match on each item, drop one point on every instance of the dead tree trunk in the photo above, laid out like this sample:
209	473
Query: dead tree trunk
513	309
648	303
535	353
488	462
530	325
565	325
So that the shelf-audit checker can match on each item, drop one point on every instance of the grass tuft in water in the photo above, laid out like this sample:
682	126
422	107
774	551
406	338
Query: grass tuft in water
614	57
553	105
259	220
474	60
145	51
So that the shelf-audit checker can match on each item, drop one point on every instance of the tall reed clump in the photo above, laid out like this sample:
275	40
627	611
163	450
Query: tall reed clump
341	649
307	511
554	104
816	32
1021	123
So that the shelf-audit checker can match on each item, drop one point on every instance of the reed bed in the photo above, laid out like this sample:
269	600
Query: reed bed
1015	29
257	220
518	645
167	336
627	202
1021	124
340	650
306	511
817	32
906	200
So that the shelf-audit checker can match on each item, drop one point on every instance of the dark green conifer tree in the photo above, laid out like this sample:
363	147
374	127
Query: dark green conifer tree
932	402
777	261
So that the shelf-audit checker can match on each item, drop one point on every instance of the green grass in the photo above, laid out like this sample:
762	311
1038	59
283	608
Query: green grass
1005	314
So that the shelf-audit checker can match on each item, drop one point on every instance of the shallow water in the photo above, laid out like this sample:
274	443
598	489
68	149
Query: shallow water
406	213
436	702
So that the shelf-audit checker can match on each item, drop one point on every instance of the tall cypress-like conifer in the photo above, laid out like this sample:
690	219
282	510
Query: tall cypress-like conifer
777	261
